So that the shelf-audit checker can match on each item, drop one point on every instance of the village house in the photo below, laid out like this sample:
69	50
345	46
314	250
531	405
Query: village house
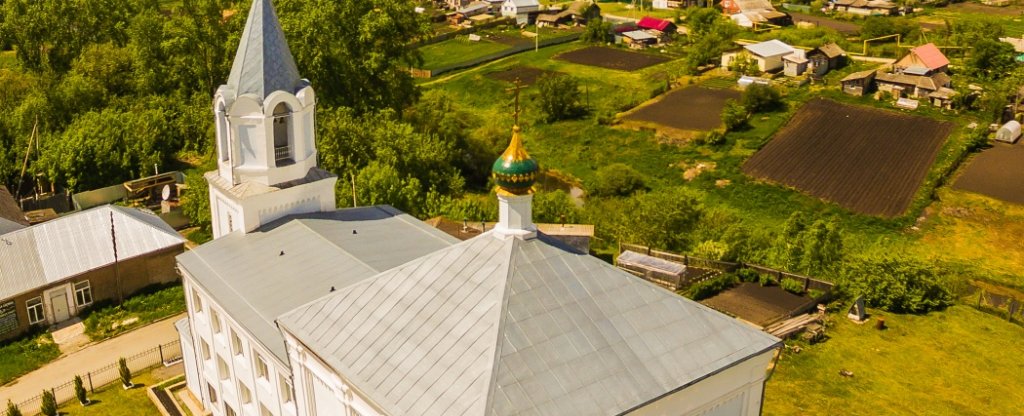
859	83
825	58
865	7
292	298
749	13
911	86
768	55
50	272
523	11
577	13
922	60
662	28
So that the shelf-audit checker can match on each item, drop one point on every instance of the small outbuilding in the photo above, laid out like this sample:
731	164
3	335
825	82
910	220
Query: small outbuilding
858	83
661	25
769	54
1009	132
794	65
639	39
825	58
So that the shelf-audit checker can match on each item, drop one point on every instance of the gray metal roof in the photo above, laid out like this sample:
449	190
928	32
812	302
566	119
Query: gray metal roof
7	226
77	243
504	326
249	277
263	63
772	47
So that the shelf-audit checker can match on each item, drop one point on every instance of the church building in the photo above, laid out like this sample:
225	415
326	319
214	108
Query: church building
297	308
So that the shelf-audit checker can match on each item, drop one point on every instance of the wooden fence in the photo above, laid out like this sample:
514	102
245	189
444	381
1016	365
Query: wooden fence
1009	307
709	269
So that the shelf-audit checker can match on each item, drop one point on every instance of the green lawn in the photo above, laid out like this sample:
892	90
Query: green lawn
459	49
151	305
25	355
8	60
622	9
114	400
957	362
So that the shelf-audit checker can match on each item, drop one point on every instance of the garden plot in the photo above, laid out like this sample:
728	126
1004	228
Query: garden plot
691	108
525	74
867	160
611	58
996	172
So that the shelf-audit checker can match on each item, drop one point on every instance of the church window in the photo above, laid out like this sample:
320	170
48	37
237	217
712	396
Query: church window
286	389
261	367
236	343
282	128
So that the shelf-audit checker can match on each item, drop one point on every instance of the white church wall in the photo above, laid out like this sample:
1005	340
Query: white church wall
237	382
319	390
735	391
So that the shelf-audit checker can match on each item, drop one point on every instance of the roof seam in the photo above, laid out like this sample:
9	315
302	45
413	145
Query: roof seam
493	383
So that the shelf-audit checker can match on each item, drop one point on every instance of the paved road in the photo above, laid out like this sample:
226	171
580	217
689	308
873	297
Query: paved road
90	358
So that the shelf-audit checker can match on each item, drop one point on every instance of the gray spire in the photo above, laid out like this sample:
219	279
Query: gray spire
263	63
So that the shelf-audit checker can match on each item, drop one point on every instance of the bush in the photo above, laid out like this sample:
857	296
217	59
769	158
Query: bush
618	179
12	410
734	115
48	404
759	98
560	97
767	280
747	275
80	390
791	285
898	284
712	287
124	372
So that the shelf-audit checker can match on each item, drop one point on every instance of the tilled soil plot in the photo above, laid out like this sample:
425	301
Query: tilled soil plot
755	303
525	74
840	26
867	160
997	172
611	58
690	108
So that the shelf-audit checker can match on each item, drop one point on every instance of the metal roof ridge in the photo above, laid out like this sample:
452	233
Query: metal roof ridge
129	212
302	221
492	383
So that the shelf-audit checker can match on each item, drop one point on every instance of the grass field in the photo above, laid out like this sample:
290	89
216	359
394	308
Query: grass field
23	356
622	9
116	401
957	362
7	59
136	311
459	49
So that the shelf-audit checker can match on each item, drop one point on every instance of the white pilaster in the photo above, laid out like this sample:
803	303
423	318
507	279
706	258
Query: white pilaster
515	216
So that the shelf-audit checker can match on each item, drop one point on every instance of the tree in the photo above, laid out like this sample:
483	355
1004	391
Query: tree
618	179
822	248
734	115
992	59
48	403
195	200
80	391
876	26
49	34
560	97
759	98
356	52
743	64
898	284
555	207
125	373
12	410
597	31
379	183
663	218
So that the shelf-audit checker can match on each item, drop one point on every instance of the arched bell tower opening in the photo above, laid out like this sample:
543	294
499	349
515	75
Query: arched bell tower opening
284	143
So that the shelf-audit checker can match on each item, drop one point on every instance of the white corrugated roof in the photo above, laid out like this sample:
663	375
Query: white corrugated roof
772	47
77	243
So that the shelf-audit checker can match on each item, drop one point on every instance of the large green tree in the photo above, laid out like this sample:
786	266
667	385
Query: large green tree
356	52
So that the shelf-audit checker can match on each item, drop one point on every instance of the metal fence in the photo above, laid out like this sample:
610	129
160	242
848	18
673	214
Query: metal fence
165	354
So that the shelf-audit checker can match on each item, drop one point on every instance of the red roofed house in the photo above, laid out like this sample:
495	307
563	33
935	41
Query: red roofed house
926	59
661	25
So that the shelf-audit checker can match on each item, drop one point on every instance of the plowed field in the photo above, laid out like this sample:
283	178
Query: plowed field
867	160
611	58
996	172
690	108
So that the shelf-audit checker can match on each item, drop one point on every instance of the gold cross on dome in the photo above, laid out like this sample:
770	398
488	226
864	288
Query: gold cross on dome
515	112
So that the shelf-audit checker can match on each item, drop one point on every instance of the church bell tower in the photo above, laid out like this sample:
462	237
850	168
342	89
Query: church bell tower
266	147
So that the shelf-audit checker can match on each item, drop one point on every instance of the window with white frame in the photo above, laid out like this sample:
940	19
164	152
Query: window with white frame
83	293
236	343
197	302
35	310
264	411
261	367
206	349
286	389
228	411
213	392
246	393
215	321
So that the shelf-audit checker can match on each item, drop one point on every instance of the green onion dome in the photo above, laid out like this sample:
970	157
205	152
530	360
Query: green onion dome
515	171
